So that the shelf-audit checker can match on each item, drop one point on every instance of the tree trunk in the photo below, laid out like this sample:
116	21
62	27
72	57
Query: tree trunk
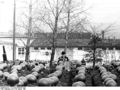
52	56
66	43
68	25
29	32
27	53
54	41
94	52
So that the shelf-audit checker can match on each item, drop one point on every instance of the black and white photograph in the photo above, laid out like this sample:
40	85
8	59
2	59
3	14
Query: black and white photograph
59	43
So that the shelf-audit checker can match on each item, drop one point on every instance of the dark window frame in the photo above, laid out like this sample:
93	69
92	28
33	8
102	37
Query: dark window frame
36	48
42	48
49	48
21	51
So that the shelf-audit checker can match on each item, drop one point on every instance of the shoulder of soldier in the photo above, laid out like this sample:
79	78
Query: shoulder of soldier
60	57
66	57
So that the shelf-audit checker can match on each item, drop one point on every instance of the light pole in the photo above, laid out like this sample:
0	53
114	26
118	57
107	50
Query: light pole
14	30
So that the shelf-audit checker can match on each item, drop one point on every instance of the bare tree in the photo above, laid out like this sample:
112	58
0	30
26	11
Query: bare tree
27	25
68	21
50	16
97	37
29	32
73	19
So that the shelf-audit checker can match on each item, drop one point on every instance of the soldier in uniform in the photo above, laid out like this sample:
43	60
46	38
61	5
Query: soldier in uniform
64	60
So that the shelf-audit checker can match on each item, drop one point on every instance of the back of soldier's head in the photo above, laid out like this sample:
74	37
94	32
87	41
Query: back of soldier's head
63	53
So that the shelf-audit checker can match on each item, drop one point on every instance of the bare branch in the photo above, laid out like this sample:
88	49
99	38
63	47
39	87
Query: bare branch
22	42
51	7
62	7
108	28
49	24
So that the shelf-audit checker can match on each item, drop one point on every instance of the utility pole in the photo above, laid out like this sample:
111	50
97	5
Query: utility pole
14	31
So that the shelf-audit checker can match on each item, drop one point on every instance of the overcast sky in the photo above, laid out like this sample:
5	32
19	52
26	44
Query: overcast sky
101	11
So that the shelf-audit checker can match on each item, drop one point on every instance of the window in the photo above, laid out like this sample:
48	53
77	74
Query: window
36	48
42	48
21	51
49	48
47	53
79	48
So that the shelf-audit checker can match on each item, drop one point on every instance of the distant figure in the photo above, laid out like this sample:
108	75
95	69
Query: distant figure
4	56
64	60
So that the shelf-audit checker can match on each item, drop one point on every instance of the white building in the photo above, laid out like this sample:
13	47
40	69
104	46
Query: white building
36	53
41	47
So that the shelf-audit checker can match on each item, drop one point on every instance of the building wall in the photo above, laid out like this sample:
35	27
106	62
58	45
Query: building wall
8	43
109	55
41	54
44	54
72	53
78	54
